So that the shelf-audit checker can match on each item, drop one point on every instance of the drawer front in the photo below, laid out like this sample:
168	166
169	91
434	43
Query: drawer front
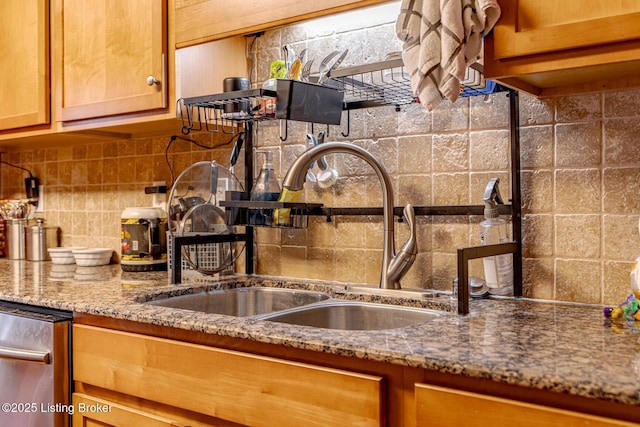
445	407
234	386
528	27
90	411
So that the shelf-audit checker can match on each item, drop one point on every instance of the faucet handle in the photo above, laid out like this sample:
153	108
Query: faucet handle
403	260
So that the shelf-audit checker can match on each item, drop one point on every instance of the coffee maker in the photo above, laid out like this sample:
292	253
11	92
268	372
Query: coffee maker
143	236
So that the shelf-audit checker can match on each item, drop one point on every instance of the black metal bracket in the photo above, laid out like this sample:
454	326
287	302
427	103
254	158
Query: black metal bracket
475	252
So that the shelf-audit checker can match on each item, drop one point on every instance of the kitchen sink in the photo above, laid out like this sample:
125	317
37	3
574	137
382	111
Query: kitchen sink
354	315
243	302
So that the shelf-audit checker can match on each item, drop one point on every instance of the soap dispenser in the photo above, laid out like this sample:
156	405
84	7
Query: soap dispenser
498	270
266	188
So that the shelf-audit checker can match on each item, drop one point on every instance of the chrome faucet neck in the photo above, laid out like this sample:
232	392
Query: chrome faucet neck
294	180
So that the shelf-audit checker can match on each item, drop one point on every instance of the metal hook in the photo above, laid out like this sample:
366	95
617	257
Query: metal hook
348	125
286	130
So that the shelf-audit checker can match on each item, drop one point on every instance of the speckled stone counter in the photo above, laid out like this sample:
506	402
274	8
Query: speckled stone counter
566	348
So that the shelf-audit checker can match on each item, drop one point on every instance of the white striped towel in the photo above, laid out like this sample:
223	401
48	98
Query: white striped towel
441	38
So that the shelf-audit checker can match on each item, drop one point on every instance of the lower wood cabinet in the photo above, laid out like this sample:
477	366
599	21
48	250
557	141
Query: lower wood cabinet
231	386
447	407
90	411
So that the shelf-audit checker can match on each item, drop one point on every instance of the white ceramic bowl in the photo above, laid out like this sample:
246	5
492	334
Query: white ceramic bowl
92	257
63	255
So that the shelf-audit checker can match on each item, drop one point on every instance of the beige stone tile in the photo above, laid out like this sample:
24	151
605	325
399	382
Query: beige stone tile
579	108
65	173
621	238
386	151
578	190
621	190
536	147
621	104
144	147
414	119
537	236
350	192
268	236
50	176
373	266
450	153
79	152
450	189
621	142
79	223
143	171
293	237
419	275
349	232
126	148
414	189
94	150
450	233
537	191
321	235
578	145
321	263
79	198
268	260
535	111
350	267
424	233
577	236
110	149
451	117
94	171
617	283
110	170
537	278
444	270
578	281
414	154
381	122
94	198
374	232
79	172
64	153
489	112
126	171
51	154
489	150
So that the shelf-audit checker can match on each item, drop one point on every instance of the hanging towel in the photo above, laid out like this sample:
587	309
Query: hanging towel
441	38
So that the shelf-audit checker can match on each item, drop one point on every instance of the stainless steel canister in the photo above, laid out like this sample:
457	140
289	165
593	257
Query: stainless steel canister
15	243
39	238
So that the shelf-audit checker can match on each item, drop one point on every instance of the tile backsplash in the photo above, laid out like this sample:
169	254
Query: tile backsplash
580	178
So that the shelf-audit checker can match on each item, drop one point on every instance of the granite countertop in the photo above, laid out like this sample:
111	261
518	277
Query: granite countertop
566	348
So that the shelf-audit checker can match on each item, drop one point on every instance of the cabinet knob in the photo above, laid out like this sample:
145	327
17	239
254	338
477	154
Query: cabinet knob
152	81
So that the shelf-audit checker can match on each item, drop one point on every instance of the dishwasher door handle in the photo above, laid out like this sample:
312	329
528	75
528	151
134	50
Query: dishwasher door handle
23	355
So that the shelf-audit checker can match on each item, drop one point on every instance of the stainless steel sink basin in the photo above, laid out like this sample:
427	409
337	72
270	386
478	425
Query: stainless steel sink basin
354	315
243	302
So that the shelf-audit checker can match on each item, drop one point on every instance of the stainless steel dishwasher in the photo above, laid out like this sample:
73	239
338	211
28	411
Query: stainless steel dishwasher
35	382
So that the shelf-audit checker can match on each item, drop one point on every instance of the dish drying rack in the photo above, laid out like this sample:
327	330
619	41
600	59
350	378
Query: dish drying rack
370	85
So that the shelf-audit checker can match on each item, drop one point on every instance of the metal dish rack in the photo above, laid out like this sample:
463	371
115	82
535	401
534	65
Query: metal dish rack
365	86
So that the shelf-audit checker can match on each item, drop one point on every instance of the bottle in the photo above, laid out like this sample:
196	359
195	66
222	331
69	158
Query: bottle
266	188
498	270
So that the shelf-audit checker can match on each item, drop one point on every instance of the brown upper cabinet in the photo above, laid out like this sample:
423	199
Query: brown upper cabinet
24	63
549	47
114	57
199	21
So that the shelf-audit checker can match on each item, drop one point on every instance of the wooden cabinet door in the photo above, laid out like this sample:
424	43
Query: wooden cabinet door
94	412
24	63
110	48
529	27
201	21
447	407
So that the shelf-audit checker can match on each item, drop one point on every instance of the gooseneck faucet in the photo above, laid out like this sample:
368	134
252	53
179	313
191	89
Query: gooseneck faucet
394	266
